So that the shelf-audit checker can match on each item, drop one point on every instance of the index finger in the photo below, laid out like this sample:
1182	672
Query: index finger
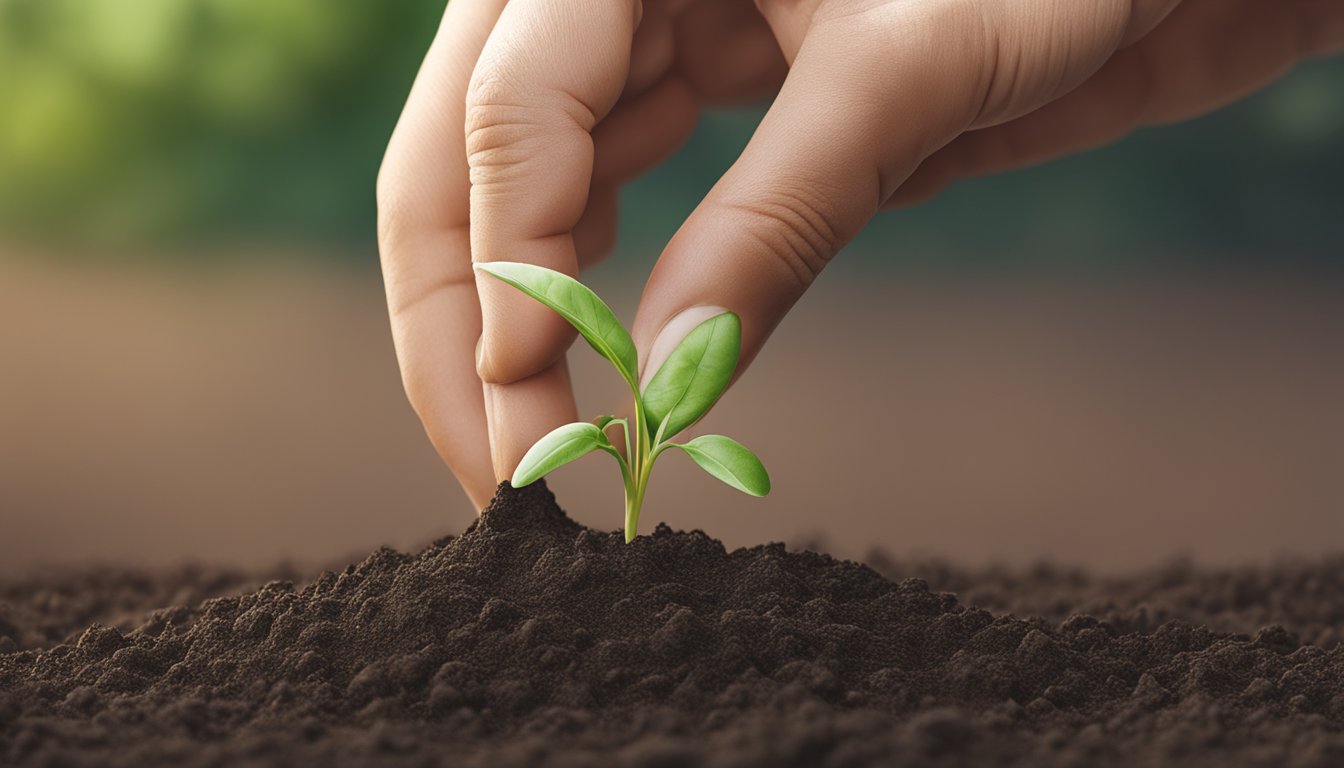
549	72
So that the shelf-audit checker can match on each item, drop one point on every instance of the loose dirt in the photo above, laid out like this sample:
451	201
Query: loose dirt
530	640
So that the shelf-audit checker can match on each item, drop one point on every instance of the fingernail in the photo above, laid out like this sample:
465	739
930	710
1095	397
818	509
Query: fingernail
671	335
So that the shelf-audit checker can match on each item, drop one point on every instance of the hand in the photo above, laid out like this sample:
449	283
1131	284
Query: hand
526	118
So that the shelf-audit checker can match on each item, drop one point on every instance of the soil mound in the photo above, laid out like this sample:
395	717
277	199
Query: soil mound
530	640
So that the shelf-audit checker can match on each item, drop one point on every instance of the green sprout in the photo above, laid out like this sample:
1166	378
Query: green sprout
684	388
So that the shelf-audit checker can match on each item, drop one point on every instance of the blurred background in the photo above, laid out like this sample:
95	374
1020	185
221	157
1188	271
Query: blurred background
1110	360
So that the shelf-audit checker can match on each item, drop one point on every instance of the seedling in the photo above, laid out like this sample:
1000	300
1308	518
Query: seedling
682	390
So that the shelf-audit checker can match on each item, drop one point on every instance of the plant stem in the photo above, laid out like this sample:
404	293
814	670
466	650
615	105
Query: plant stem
633	501
640	464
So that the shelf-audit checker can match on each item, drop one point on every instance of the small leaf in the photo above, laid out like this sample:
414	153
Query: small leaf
730	461
559	447
601	422
694	376
575	302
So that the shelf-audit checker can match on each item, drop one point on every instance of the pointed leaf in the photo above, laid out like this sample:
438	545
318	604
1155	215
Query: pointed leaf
575	302
694	376
559	447
730	461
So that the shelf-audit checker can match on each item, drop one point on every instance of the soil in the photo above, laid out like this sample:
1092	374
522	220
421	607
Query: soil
531	640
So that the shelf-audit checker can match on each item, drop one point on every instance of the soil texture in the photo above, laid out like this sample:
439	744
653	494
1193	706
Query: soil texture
530	640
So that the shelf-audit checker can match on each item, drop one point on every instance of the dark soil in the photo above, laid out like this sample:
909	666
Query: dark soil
47	607
530	640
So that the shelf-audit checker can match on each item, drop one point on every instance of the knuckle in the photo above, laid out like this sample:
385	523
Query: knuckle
793	227
499	126
498	138
950	43
968	37
508	129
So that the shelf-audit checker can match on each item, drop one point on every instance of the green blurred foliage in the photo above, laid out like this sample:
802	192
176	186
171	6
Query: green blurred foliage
164	122
155	121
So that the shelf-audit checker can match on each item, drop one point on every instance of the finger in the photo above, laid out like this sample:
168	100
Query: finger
636	136
425	249
653	50
595	234
727	52
833	145
1207	53
549	72
642	132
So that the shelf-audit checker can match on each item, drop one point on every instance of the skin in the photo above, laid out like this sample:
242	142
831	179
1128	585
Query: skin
526	118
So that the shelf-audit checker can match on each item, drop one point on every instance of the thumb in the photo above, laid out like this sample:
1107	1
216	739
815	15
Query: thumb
863	103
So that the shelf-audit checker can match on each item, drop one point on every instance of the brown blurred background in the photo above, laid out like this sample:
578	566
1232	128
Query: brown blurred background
1107	361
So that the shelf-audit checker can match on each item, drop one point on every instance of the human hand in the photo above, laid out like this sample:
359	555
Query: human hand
526	118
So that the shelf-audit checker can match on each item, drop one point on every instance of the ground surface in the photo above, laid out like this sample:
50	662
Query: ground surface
530	640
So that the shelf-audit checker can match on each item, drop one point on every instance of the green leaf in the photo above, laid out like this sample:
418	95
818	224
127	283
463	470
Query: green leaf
575	302
730	461
694	376
559	447
601	422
